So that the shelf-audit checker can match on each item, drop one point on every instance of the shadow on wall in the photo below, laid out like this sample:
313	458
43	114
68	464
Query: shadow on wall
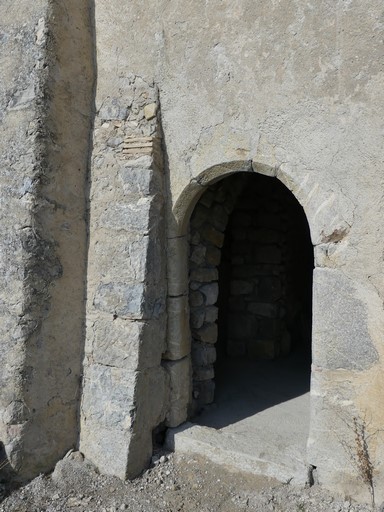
8	476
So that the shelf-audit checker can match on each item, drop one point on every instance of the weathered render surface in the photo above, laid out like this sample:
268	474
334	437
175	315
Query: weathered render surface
187	94
45	98
296	87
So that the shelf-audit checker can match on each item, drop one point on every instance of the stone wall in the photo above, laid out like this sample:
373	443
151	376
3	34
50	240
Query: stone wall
207	227
46	106
125	389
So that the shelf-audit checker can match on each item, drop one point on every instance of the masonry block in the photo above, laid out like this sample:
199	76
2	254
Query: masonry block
179	373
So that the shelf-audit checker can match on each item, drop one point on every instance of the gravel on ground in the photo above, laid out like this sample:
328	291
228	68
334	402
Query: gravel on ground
172	484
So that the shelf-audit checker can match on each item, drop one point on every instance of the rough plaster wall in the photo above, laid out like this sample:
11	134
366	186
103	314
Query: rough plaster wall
297	85
19	54
46	97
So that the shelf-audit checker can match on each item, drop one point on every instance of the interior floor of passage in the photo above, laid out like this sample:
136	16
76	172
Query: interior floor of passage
260	419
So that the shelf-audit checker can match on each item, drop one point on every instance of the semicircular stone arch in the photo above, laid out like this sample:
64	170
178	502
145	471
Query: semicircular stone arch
203	208
328	213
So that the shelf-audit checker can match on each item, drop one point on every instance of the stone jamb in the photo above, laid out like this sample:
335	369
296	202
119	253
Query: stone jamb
329	217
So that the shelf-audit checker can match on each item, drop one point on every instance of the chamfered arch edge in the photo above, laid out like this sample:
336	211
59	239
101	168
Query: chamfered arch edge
190	195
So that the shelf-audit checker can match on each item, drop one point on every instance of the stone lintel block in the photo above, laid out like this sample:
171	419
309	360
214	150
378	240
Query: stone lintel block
198	254
213	255
177	277
178	332
210	292
179	373
207	333
133	345
341	336
203	373
143	181
106	448
129	300
265	169
204	275
212	235
204	391
203	354
119	411
197	317
152	398
211	313
140	216
118	256
196	299
108	397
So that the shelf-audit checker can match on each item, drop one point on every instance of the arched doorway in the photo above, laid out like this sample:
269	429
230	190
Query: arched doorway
250	297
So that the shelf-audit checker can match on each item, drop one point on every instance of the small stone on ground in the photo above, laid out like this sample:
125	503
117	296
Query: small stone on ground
173	484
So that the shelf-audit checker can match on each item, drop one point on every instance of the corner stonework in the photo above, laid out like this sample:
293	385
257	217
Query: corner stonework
125	388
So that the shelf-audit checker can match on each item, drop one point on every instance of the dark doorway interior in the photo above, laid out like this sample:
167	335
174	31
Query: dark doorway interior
264	304
265	275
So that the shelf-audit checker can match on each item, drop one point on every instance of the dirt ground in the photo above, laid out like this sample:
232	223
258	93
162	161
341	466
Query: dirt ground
172	484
